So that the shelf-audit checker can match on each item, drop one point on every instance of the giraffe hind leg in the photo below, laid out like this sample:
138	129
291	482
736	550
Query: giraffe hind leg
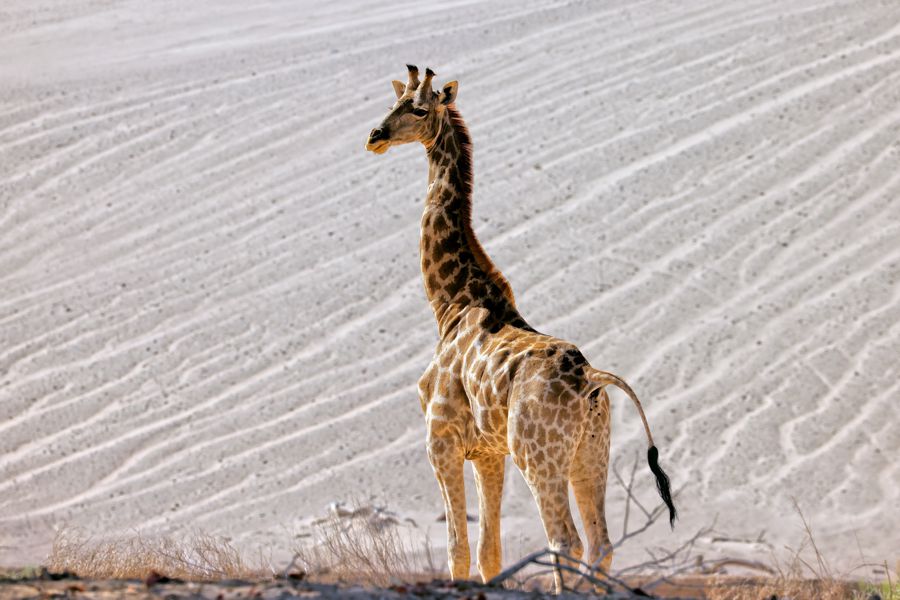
590	496
543	448
588	475
552	497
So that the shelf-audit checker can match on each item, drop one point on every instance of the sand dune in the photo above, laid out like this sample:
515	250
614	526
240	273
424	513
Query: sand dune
212	314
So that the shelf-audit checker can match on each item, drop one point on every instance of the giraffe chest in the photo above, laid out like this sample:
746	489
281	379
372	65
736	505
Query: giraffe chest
486	382
465	394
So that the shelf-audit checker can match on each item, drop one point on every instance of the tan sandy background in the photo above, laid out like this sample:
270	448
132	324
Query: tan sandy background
211	314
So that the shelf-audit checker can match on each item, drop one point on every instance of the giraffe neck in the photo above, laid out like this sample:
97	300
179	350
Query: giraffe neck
456	270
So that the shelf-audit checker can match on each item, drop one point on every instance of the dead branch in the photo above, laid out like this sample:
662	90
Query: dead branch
715	566
629	495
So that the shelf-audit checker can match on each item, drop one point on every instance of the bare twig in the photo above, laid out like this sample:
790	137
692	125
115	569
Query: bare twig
586	572
629	495
717	565
823	567
890	583
651	519
289	569
658	561
515	568
536	558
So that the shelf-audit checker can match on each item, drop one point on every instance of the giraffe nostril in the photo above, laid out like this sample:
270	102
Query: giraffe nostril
377	134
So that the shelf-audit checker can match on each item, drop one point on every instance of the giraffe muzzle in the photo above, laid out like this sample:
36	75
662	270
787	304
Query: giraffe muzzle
378	141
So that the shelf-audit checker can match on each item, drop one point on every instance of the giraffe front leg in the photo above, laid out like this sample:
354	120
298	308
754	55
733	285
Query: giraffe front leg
447	460
489	475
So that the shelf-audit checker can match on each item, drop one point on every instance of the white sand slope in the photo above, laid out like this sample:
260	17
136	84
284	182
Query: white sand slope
211	311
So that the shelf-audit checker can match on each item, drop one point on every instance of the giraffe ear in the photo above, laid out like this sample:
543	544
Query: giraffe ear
399	87
448	94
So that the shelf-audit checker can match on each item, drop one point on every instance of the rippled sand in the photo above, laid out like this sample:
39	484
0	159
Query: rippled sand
212	315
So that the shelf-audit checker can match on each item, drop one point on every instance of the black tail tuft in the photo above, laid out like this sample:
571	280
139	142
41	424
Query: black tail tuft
662	483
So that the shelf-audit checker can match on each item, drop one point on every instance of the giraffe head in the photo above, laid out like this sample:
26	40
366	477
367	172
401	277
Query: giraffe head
417	114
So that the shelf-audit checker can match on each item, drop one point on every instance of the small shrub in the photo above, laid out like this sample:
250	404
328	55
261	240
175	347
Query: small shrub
360	549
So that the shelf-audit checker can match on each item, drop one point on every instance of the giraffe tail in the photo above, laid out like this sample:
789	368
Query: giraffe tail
604	378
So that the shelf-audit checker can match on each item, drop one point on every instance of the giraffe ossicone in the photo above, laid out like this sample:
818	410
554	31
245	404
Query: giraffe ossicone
496	386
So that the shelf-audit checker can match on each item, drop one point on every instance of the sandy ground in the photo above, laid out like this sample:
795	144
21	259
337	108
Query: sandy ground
281	589
212	316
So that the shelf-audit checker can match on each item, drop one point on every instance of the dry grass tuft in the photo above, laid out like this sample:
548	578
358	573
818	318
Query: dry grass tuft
198	557
787	586
797	578
364	550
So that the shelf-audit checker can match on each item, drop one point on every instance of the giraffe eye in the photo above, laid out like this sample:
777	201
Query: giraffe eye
420	112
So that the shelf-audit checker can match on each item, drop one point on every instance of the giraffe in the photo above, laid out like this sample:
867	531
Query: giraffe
496	386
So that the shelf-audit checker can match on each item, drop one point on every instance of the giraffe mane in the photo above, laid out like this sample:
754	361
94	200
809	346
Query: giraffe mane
464	164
